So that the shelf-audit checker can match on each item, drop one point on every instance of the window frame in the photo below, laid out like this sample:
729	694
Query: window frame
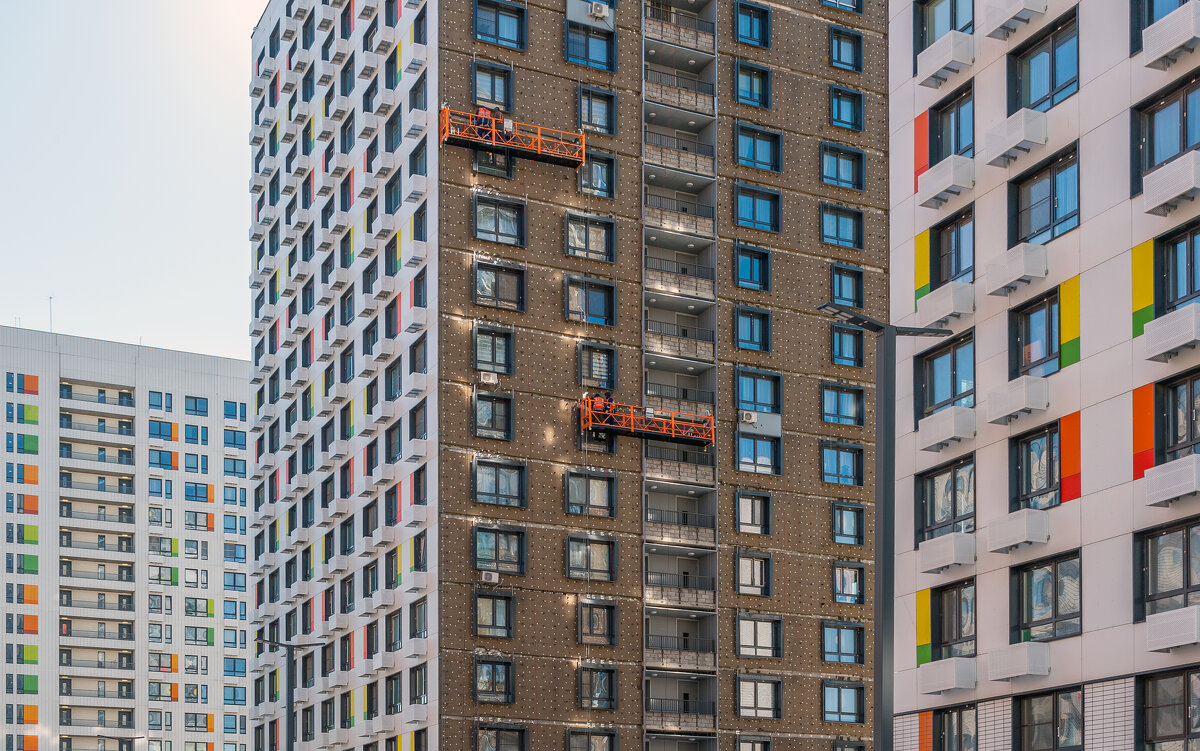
925	375
755	71
1052	37
859	513
495	397
588	703
764	258
853	449
590	90
588	32
591	159
493	68
763	316
495	596
856	65
765	40
1022	626
610	511
509	694
858	102
762	589
858	279
610	241
1020	497
756	193
837	357
1021	713
588	284
611	607
522	547
756	649
497	301
774	138
502	5
776	712
491	330
837	627
840	212
497	203
940	255
523	477
960	520
755	374
856	158
1049	170
589	573
961	643
840	389
754	467
1019	337
743	526
582	348
839	714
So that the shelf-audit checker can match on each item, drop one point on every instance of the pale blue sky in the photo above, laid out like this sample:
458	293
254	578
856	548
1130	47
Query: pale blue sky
124	190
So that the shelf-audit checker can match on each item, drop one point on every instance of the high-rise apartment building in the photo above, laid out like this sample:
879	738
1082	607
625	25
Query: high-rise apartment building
1046	578
125	524
554	449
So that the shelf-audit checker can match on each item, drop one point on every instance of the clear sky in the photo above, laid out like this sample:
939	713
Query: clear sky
125	169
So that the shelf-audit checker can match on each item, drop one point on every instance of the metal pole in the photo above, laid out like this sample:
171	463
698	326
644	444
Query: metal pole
885	534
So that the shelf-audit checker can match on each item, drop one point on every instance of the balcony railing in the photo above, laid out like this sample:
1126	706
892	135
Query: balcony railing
694	333
73	723
679	82
679	206
677	144
122	400
105	665
68	423
680	706
70	513
81	633
681	518
680	393
681	581
97	693
100	576
668	266
680	643
67	452
120	547
684	456
72	484
679	18
95	605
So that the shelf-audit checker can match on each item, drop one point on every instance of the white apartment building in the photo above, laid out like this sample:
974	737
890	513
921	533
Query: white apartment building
125	616
1047	522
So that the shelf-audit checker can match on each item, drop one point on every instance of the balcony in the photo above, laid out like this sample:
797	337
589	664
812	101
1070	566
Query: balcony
667	396
679	215
952	53
1173	480
1019	660
687	590
668	24
1170	334
680	90
1004	17
680	715
949	674
1172	36
601	415
1020	396
560	147
66	422
677	464
950	425
1020	265
1164	189
945	180
684	154
679	278
1023	130
1173	629
680	652
1026	526
951	300
940	553
680	527
674	340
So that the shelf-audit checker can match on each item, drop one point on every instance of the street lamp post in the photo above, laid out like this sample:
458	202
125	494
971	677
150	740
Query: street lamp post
291	648
885	504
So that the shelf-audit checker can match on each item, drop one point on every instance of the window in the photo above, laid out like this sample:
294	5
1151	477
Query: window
843	405
753	84
1180	264
598	177
753	329
1169	704
493	350
1037	468
936	18
499	221
847	524
952	248
591	740
841	226
499	484
759	697
758	148
597	623
500	23
952	128
1170	126
493	615
1181	426
746	743
753	513
597	688
841	167
1048	599
954	730
1036	347
493	416
753	267
592	559
848	583
499	286
591	301
1048	72
597	110
1171	560
759	636
492	163
195	405
592	47
845	49
842	642
841	702
1047	201
597	365
758	391
847	284
946	376
493	86
753	24
846	108
500	550
847	346
493	681
954	620
759	454
947	498
757	208
754	575
591	494
1054	721
841	464
591	237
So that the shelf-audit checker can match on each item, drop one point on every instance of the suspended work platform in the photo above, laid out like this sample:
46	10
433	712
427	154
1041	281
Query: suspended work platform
468	129
599	414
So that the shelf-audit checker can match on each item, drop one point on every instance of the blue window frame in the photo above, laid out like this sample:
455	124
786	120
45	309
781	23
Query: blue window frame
754	24
854	6
757	208
753	267
758	148
597	110
847	283
598	177
753	84
592	301
847	346
845	49
753	329
493	86
595	48
842	405
841	464
759	390
842	226
842	167
846	108
500	23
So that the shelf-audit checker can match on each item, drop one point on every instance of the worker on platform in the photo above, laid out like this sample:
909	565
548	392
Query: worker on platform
483	118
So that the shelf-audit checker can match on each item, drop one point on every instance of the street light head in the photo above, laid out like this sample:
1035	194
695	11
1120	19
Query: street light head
851	317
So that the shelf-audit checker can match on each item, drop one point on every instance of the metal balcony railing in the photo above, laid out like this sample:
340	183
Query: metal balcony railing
677	144
679	206
681	518
104	487
680	706
678	18
680	82
684	456
69	513
99	575
680	643
683	332
68	423
681	581
668	266
67	452
121	400
680	393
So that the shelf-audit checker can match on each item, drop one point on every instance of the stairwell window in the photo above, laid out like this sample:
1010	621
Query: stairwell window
591	301
499	286
947	498
499	221
500	23
592	47
1048	597
1046	201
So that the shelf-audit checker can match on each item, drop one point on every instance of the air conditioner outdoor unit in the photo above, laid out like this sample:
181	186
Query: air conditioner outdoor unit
749	416
489	378
489	577
599	10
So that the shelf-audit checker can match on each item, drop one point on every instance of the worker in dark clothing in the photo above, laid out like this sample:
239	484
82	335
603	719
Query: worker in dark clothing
482	119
